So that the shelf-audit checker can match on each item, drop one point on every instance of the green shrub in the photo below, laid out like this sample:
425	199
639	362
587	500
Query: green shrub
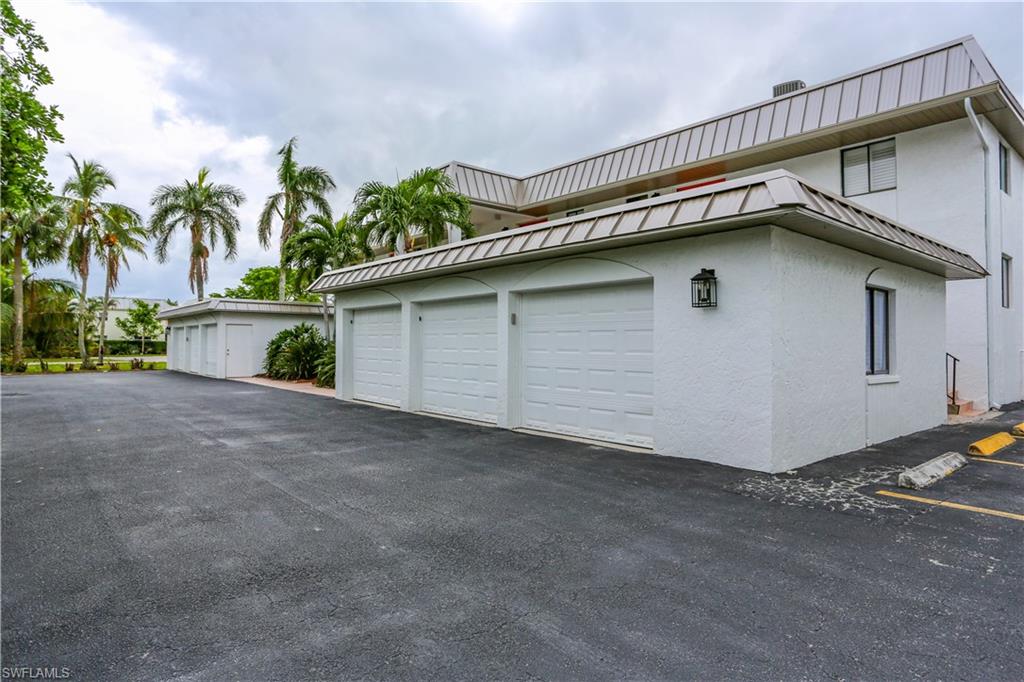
294	353
325	368
7	365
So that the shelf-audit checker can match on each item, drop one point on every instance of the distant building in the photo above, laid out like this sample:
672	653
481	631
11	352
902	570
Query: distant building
120	305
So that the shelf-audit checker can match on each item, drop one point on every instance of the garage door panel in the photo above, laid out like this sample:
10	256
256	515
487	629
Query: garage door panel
376	355
459	358
588	363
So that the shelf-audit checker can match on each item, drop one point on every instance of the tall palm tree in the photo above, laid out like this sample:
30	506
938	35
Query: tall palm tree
46	311
207	211
38	236
82	192
425	203
122	233
302	187
323	244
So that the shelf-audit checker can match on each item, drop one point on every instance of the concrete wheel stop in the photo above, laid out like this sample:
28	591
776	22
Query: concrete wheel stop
927	473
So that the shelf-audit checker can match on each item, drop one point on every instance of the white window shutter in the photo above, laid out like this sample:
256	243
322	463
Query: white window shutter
855	171
883	165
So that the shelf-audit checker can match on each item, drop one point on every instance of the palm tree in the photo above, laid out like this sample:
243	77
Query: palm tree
425	203
122	233
46	311
207	211
88	314
323	244
301	187
82	193
36	235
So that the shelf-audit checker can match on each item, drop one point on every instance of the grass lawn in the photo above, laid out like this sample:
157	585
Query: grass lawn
58	367
96	357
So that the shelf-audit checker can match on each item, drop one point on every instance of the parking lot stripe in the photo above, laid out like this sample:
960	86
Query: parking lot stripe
998	461
952	505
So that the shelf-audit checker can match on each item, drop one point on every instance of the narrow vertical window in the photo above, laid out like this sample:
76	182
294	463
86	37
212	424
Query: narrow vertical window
1007	262
869	168
1004	168
877	331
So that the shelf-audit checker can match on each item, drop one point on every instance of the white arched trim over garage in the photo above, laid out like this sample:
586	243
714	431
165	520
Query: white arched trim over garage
451	288
579	272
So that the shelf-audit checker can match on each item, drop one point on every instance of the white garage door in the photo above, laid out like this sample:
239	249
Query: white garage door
458	365
194	349
376	355
587	357
178	348
210	344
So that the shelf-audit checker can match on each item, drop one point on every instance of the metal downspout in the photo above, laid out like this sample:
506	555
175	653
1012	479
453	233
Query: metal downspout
989	321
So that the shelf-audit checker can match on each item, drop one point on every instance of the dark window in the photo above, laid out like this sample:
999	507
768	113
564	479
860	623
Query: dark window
1007	261
1004	168
876	355
569	214
869	168
636	198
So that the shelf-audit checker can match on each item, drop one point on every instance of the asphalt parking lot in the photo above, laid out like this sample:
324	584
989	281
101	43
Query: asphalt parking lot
163	526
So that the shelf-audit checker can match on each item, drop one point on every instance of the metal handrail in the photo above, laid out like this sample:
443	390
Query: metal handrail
951	389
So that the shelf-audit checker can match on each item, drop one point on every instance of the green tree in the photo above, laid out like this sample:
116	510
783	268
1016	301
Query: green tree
207	211
48	322
26	126
425	203
323	244
261	284
302	187
36	235
122	233
141	322
86	214
88	315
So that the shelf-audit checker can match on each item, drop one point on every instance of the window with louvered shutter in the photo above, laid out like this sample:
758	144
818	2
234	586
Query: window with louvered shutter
869	168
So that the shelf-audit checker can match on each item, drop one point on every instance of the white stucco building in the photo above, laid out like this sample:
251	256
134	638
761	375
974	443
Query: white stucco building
119	307
932	140
865	235
590	326
224	337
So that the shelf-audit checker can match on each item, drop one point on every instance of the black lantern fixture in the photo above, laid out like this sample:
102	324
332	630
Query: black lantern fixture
704	286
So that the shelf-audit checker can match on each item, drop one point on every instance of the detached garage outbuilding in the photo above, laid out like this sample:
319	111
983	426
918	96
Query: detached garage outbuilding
761	323
226	337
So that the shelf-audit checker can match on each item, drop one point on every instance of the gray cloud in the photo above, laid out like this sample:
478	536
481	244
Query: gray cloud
378	90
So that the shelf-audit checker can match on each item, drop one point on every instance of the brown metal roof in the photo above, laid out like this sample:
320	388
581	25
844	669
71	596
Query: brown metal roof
776	197
897	86
241	305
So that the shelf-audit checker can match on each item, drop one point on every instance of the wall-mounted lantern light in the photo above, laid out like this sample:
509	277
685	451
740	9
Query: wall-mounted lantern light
705	289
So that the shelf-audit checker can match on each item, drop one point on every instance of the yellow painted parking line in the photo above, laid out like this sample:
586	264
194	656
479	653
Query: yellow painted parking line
998	461
952	505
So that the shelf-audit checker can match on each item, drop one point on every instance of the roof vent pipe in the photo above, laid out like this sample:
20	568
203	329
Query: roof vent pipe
787	87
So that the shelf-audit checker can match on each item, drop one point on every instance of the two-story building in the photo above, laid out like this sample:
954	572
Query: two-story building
582	308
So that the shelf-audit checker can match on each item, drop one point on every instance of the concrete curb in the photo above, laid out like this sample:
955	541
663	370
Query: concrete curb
923	475
991	445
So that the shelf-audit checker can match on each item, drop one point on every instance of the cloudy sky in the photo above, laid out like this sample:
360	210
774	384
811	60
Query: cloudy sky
154	91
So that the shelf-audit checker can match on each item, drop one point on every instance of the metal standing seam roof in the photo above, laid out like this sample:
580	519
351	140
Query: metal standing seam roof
240	305
756	199
936	72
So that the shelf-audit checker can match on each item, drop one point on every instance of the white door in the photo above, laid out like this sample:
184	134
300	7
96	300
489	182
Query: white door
587	363
210	353
178	348
376	355
459	358
194	344
238	350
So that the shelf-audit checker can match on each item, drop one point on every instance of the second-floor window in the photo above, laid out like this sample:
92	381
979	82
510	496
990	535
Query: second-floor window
1006	264
1004	168
869	168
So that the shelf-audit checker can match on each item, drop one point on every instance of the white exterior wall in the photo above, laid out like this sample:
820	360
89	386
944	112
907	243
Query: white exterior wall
821	397
940	192
743	384
264	327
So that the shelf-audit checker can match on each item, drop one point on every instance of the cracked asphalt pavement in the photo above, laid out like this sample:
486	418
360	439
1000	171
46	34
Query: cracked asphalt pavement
164	526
